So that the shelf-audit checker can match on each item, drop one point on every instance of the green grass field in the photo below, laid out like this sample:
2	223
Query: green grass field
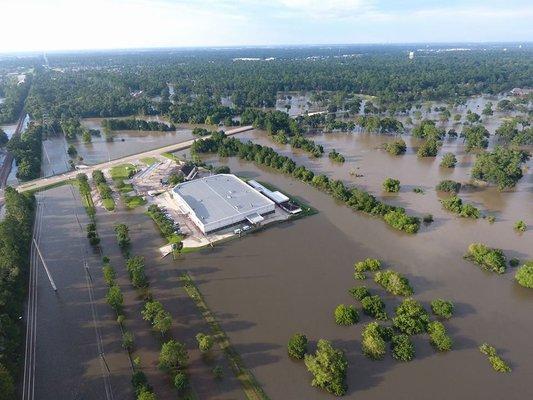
109	204
123	171
134	201
149	160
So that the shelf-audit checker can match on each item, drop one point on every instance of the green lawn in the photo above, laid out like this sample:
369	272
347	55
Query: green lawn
134	201
109	204
124	187
123	171
149	160
170	156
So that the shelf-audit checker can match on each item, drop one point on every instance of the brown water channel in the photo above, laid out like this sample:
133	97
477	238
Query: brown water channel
289	278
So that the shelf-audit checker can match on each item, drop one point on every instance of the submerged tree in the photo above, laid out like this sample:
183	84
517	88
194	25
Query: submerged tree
328	366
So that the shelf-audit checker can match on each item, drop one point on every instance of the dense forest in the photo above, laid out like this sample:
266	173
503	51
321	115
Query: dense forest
27	151
14	94
136	124
15	237
131	83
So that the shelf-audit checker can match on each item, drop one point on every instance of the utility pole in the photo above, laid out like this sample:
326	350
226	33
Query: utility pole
45	266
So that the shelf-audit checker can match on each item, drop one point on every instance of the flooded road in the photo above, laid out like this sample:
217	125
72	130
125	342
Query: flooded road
74	326
290	278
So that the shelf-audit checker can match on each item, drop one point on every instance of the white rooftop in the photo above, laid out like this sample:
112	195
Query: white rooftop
221	197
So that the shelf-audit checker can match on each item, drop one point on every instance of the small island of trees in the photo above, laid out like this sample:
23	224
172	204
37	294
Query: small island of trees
524	275
487	258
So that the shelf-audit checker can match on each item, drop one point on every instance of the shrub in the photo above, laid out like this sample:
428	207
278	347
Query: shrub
449	186
114	298
429	148
396	147
448	160
181	381
487	258
502	167
402	348
400	220
442	308
369	264
328	367
359	275
498	364
438	337
139	381
391	185
418	190
359	292
172	356
411	318
127	341
109	274
146	394
491	219
205	342
393	282
476	137
524	275
160	319
428	218
520	226
297	346
335	156
346	315
218	372
372	342
514	262
123	238
374	307
135	267
92	234
455	205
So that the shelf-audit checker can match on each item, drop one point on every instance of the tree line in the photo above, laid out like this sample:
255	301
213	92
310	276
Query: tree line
15	242
355	198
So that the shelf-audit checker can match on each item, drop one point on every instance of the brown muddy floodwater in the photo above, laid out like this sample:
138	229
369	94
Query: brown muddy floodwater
289	278
55	158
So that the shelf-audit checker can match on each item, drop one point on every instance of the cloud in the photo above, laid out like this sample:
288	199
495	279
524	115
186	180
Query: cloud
320	9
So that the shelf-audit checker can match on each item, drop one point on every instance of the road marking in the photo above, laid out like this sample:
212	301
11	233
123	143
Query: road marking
28	388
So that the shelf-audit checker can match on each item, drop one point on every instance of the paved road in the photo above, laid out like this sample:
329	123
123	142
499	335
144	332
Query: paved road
73	346
43	182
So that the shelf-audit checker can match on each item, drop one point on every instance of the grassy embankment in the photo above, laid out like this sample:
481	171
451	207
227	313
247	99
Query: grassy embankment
250	385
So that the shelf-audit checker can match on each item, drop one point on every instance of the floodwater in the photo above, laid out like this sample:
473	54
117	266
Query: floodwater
289	278
55	159
165	287
9	129
70	323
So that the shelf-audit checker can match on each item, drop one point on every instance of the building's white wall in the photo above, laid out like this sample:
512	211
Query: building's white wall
237	218
206	228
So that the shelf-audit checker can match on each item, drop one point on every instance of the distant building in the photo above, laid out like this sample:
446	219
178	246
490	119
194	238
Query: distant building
411	55
521	92
220	201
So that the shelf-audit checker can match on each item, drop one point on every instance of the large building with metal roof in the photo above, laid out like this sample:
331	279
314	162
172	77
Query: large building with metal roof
220	201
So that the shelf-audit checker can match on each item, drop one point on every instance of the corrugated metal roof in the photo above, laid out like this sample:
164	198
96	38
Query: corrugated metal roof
217	197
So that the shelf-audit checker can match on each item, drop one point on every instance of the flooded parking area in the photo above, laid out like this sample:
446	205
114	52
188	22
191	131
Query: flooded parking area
74	327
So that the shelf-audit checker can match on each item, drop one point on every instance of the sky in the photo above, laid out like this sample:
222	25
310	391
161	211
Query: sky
41	25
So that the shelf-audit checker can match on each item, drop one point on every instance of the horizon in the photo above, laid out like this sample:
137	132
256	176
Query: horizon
166	24
476	45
